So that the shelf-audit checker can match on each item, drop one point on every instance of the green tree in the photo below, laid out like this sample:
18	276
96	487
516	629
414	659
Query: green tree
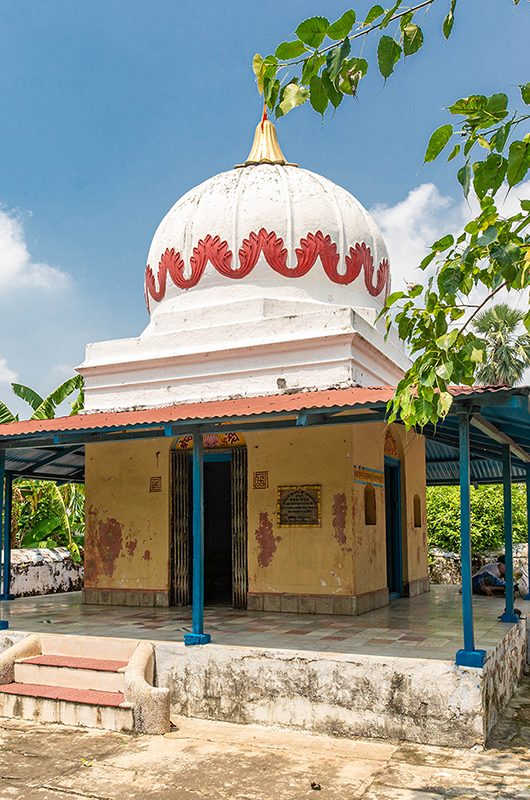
45	514
507	345
487	526
327	62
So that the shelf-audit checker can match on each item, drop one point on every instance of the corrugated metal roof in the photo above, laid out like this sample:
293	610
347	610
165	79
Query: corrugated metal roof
443	467
353	397
51	449
217	409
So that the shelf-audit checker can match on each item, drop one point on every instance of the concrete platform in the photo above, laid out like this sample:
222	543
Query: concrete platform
426	626
388	674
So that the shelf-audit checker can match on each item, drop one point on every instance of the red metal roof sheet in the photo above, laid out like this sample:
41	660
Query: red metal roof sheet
237	407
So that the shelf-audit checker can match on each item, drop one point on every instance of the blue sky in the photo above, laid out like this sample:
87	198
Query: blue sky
112	109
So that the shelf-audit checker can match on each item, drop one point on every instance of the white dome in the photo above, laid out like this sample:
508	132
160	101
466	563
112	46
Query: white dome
266	230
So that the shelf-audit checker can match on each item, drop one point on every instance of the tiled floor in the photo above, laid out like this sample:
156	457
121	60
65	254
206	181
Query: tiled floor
428	626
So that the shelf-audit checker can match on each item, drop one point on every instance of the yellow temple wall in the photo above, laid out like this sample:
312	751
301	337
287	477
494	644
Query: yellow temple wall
284	562
413	477
339	567
127	523
369	562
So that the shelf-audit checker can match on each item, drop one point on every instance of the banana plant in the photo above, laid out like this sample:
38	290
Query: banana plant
46	515
52	516
45	407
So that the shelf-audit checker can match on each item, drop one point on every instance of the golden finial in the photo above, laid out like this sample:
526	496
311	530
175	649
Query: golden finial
265	147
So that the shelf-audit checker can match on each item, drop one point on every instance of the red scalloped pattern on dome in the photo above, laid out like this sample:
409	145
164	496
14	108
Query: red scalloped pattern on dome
313	246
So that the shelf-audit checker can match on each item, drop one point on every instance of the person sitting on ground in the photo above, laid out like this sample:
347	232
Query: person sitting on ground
489	579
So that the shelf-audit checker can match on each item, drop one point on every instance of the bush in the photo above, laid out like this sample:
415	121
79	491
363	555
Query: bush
487	531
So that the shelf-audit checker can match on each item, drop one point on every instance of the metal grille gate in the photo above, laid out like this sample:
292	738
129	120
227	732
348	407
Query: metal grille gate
180	539
239	527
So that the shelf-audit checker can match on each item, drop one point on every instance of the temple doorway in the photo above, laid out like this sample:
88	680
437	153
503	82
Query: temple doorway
394	565
225	528
218	529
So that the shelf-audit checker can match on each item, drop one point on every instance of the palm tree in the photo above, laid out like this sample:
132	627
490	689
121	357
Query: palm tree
507	345
45	407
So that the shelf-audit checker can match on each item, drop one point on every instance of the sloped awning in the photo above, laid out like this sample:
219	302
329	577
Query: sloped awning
54	449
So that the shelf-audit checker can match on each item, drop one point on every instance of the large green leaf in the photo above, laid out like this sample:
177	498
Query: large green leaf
335	96
28	395
388	54
40	531
79	402
313	30
438	141
343	26
374	13
489	174
412	39
525	93
449	20
312	66
6	415
48	406
469	105
317	94
287	50
464	178
336	57
518	162
293	96
389	14
257	66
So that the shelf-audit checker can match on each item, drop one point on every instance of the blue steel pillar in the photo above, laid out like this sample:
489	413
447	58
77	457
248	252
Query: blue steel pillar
197	600
3	509
468	656
508	615
528	520
6	539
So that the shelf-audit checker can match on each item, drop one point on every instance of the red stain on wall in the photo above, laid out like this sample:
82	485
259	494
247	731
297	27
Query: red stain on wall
147	555
131	546
109	534
266	540
338	509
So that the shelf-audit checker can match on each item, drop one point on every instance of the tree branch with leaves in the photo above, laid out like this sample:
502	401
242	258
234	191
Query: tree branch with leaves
491	144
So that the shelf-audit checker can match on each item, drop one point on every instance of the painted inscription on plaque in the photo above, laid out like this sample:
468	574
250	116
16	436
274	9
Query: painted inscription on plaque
299	506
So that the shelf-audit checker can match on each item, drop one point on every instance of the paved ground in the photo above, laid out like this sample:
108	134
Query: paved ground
426	626
217	761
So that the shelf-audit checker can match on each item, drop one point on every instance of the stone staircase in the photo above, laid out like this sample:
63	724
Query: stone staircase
56	678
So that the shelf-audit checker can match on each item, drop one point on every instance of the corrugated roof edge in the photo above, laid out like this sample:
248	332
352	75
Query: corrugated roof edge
357	396
213	409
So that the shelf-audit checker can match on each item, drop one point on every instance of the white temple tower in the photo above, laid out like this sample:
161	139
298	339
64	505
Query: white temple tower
262	280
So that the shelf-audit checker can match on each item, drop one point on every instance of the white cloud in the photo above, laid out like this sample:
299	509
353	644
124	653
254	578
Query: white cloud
410	226
413	224
63	371
17	267
7	375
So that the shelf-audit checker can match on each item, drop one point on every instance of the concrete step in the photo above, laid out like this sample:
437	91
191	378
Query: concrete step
69	706
88	646
73	672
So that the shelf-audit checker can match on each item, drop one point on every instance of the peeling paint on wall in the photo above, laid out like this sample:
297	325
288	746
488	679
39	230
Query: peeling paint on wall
339	517
131	546
266	540
110	544
147	555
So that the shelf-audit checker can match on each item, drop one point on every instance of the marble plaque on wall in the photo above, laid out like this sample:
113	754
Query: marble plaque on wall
299	506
